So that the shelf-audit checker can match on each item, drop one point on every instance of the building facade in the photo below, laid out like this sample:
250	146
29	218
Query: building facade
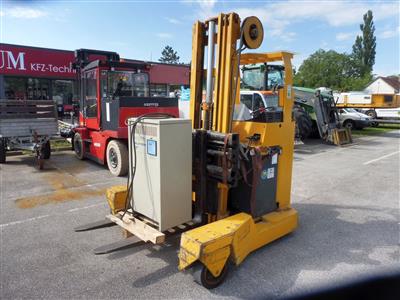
32	73
384	85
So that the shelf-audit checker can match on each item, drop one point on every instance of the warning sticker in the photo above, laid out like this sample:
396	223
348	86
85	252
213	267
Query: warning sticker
270	173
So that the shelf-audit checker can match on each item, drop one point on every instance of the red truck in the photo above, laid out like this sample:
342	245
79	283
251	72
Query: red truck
111	91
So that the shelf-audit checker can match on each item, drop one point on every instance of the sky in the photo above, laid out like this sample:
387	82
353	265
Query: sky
141	29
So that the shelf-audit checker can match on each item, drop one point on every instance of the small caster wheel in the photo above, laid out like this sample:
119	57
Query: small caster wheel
205	278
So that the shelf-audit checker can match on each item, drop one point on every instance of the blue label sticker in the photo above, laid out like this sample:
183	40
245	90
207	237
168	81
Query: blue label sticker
152	147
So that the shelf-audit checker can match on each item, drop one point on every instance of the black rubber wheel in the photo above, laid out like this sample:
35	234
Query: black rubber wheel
72	142
117	158
303	122
349	124
204	277
46	150
3	150
314	131
372	113
78	146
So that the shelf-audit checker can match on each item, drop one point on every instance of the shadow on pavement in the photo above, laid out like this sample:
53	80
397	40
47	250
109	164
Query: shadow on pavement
327	236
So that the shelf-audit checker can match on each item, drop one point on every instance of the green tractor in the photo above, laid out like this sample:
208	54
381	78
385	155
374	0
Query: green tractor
314	111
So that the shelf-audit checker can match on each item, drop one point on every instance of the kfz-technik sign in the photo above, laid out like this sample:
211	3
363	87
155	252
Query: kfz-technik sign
36	62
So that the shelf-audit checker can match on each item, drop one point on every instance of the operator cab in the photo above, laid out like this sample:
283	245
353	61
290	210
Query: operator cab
259	93
107	86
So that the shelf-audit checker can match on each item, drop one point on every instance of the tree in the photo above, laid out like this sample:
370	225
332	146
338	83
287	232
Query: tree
169	56
364	48
330	69
323	68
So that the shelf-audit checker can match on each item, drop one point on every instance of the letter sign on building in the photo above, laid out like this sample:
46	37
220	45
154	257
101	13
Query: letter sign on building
36	62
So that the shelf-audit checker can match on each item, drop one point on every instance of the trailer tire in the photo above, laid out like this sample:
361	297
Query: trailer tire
303	122
372	114
117	158
78	146
3	146
46	150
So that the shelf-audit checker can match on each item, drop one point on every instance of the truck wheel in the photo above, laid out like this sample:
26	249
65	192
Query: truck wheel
78	146
372	114
46	151
3	145
303	122
349	124
117	158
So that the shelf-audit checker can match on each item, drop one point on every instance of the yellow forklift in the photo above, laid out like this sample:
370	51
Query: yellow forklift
229	193
245	198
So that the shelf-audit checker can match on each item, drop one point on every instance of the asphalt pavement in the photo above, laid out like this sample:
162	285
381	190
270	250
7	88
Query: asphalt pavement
348	203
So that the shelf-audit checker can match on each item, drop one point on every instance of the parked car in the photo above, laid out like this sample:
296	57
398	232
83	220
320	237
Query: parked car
353	119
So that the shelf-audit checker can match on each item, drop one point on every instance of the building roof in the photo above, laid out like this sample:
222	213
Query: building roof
393	81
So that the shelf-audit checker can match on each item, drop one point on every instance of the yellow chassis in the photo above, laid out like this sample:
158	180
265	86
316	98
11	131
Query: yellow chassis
234	237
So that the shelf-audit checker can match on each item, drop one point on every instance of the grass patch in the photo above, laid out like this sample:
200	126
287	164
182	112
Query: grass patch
375	130
59	144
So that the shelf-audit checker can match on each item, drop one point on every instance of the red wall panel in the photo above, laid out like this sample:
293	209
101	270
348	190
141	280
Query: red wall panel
36	62
41	62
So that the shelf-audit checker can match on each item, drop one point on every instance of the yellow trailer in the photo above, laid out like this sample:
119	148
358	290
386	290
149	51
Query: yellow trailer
377	106
368	101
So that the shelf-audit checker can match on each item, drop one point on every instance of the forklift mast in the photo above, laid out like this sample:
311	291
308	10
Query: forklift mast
215	115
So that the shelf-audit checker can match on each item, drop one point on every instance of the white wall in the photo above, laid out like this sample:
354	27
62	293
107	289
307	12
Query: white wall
379	87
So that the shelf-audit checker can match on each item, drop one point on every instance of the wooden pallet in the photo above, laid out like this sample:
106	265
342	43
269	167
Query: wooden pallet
342	136
144	228
136	230
138	227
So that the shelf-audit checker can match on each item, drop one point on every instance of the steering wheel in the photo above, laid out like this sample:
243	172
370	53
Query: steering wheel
257	112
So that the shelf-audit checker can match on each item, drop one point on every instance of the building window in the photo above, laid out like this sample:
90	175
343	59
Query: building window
158	90
91	94
64	92
38	89
388	98
15	88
